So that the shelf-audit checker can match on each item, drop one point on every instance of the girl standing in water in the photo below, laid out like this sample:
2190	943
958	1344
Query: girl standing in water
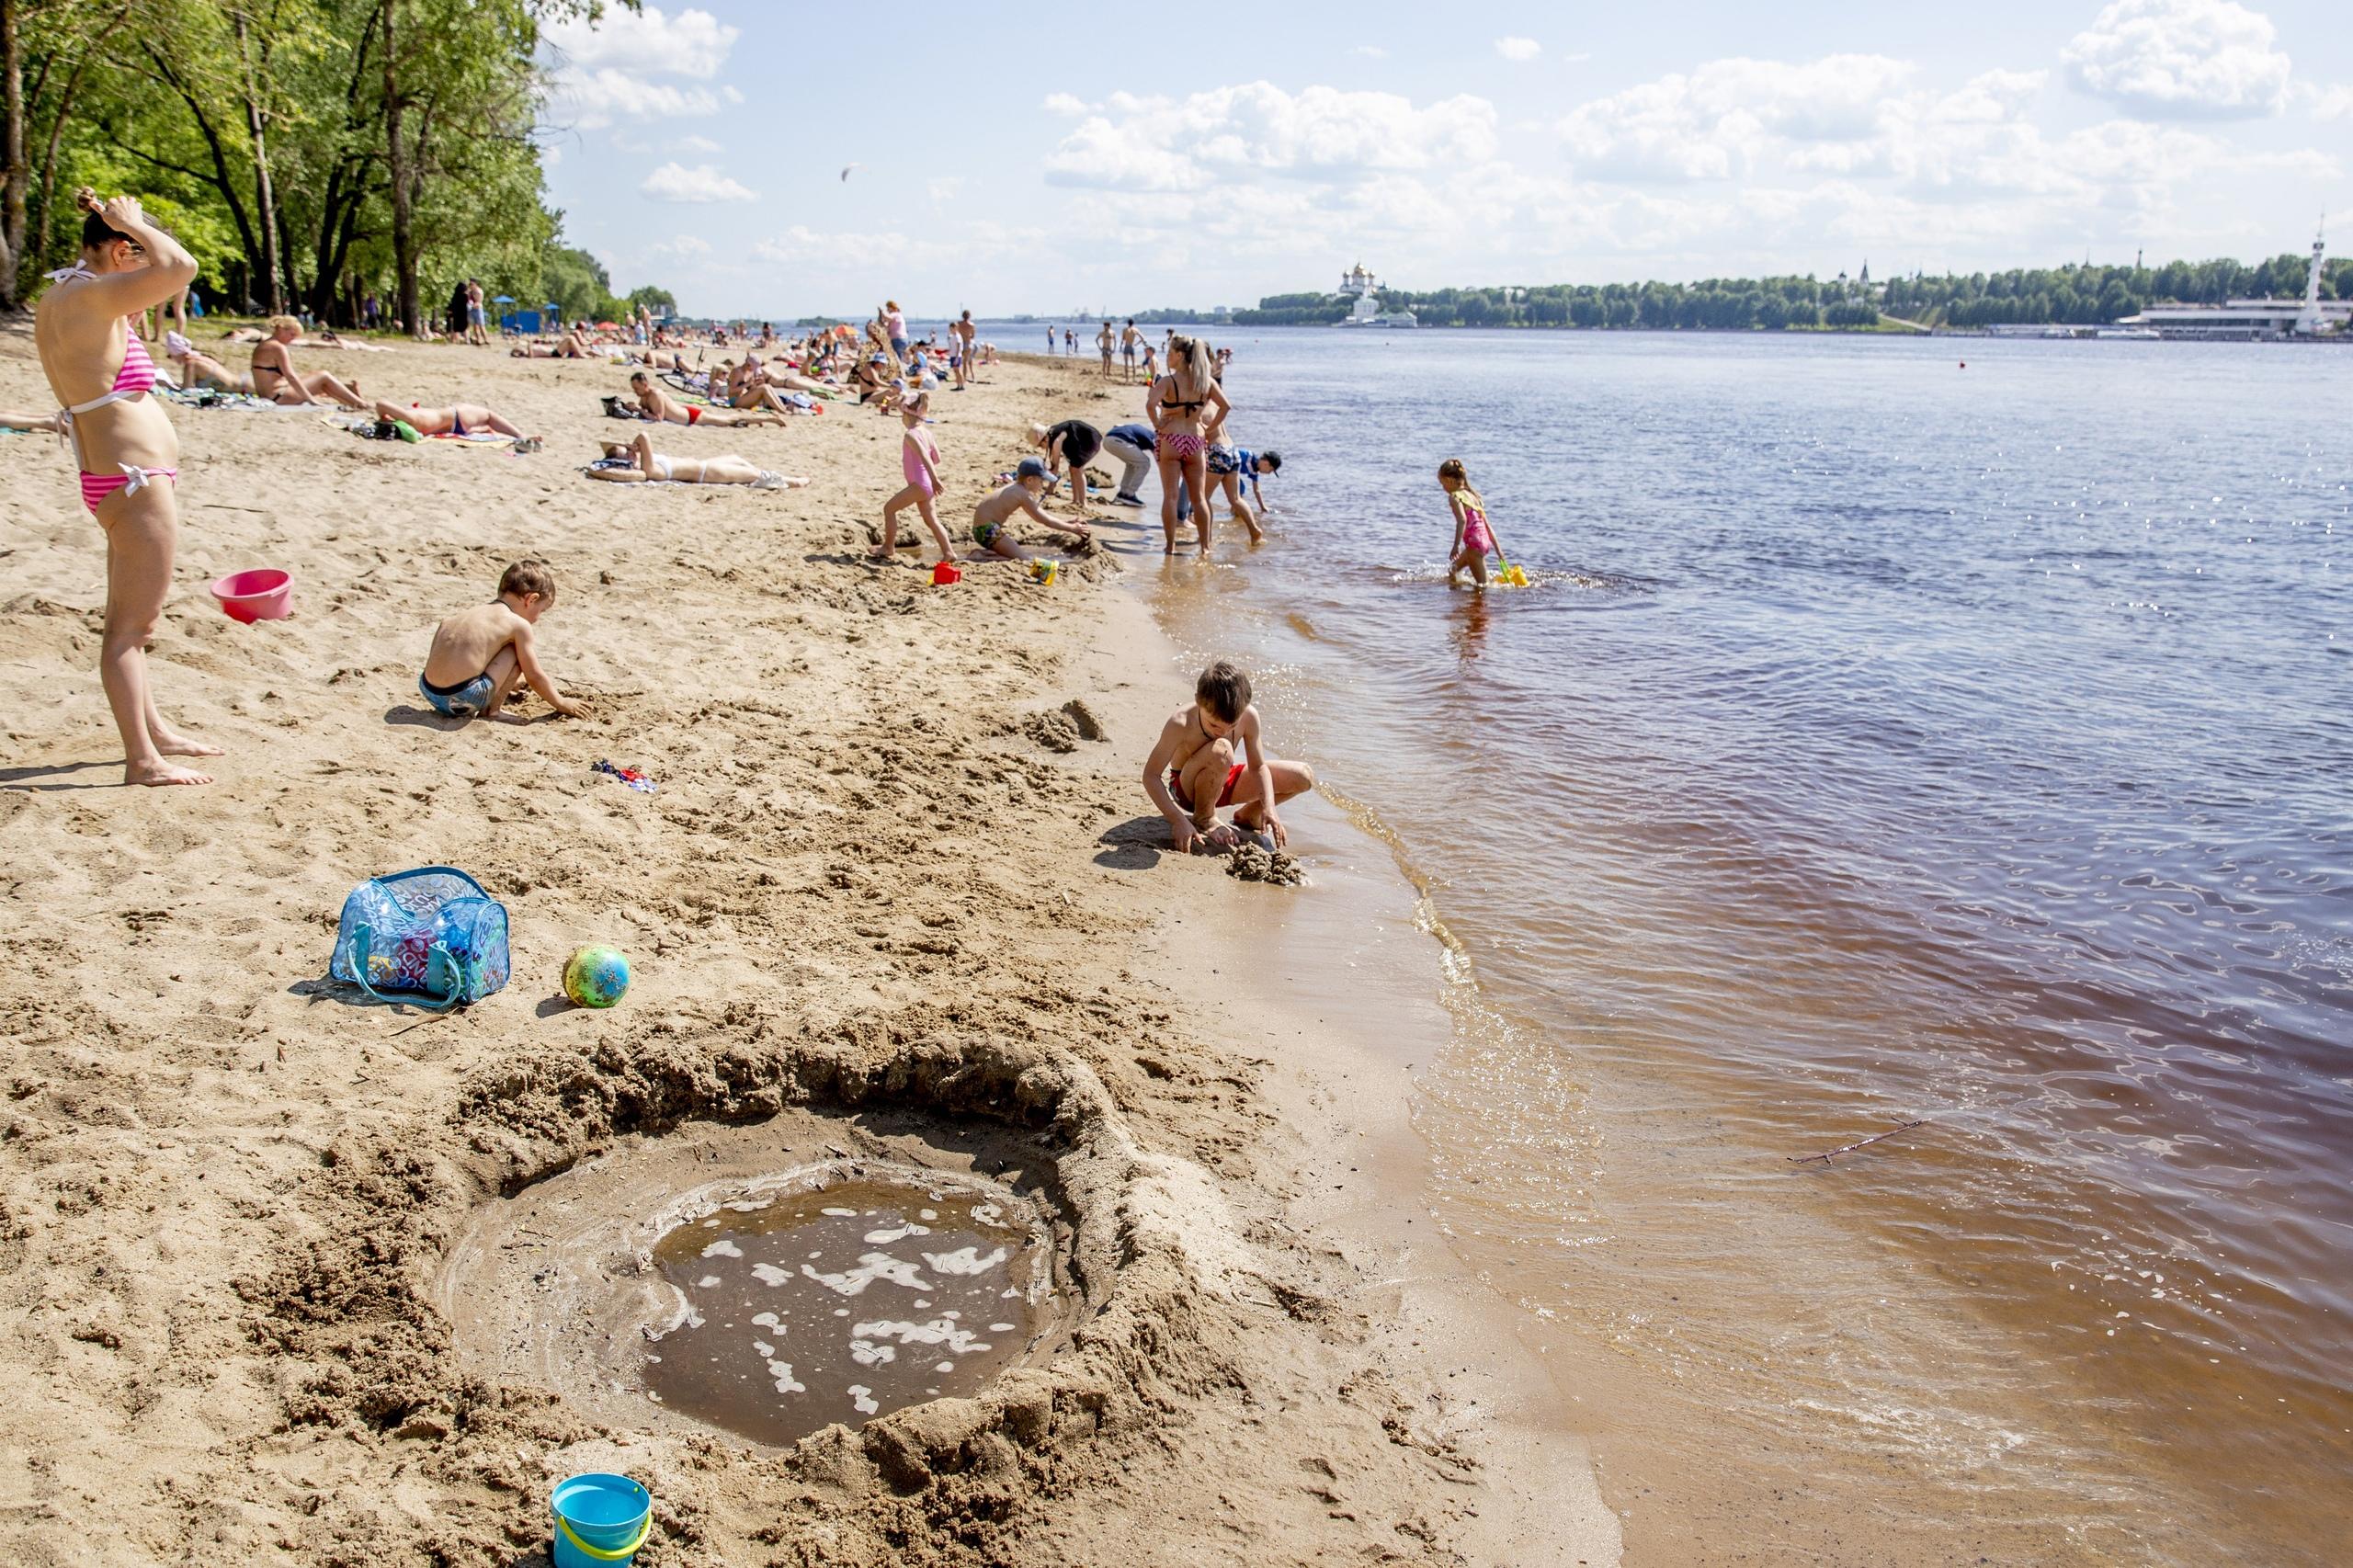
129	454
1473	536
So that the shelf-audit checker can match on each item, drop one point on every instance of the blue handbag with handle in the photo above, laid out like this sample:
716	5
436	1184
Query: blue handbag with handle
431	937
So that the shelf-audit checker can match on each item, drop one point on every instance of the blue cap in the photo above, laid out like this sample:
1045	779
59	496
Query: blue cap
1029	468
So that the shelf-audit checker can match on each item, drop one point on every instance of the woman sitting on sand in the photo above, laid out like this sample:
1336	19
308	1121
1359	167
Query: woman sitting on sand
457	419
659	406
277	380
638	463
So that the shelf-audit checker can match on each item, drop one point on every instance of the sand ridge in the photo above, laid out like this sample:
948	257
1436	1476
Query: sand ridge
863	891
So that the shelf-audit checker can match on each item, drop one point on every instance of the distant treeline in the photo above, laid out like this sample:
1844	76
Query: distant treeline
2079	295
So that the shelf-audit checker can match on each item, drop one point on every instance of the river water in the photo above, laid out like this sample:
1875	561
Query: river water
1884	739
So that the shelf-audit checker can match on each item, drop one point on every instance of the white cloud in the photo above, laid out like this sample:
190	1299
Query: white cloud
2328	103
1236	133
696	144
683	246
596	99
602	73
676	182
2181	59
1518	48
1370	52
645	44
1715	122
1065	103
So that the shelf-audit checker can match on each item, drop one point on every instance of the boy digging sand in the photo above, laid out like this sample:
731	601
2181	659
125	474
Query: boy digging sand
1196	767
479	654
991	517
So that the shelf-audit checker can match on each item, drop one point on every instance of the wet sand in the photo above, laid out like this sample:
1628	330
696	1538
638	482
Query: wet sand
866	908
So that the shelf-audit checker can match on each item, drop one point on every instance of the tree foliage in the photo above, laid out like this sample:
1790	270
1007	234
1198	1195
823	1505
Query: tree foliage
308	151
2074	294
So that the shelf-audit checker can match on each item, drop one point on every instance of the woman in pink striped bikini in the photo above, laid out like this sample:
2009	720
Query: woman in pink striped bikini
130	454
1182	405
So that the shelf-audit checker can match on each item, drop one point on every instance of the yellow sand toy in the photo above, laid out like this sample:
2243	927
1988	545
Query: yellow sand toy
1510	576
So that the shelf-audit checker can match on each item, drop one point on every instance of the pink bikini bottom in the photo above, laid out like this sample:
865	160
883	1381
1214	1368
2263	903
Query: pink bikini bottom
96	487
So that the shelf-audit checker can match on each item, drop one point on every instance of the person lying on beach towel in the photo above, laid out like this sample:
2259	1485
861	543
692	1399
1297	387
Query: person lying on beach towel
200	369
45	423
659	406
457	419
638	463
568	347
275	378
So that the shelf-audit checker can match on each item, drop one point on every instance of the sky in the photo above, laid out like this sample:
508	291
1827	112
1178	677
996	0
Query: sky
780	159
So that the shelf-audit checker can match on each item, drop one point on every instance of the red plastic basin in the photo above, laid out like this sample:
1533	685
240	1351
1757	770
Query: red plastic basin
262	594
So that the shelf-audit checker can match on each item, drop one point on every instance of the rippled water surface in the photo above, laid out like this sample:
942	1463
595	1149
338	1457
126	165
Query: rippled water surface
1882	740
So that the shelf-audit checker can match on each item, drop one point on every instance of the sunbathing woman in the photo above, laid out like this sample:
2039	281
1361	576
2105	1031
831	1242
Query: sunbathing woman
46	423
129	454
568	347
663	409
638	463
200	369
1176	406
457	419
275	378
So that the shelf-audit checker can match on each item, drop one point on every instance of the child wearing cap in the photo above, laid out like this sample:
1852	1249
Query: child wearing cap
991	517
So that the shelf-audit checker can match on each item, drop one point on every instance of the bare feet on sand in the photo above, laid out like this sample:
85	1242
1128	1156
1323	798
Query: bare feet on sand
163	773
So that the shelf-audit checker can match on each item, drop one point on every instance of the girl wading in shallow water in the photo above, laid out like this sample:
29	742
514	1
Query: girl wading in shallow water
1182	405
129	453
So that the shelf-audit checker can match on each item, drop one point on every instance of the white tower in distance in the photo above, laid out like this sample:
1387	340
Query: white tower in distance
2308	319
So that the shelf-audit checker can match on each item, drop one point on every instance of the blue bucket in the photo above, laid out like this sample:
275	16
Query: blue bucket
601	1521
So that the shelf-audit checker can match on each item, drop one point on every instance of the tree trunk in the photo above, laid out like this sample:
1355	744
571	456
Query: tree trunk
265	198
404	196
14	172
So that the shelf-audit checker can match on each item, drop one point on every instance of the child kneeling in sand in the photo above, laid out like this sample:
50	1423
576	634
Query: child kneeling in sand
479	654
1210	756
991	517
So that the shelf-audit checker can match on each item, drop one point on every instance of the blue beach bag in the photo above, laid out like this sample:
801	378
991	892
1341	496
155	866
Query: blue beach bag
431	937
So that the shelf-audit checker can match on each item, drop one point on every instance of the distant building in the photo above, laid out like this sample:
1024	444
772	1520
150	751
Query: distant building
1358	283
2255	319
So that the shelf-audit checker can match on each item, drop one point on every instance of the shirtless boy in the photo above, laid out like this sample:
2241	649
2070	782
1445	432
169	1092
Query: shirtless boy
1209	754
479	654
992	518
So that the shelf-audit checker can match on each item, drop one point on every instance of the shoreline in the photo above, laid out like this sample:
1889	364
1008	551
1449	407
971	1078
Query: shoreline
861	894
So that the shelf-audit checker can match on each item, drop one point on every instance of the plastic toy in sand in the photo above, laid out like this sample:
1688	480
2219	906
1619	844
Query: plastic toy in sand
263	594
596	977
944	572
1045	572
635	778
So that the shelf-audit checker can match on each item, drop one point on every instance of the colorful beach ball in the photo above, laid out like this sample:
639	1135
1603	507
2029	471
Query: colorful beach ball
596	977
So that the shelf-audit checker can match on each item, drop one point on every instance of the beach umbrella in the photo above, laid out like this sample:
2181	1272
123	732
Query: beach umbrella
503	300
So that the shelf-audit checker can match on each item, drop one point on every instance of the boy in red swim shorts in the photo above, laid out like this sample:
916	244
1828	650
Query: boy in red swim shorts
1209	756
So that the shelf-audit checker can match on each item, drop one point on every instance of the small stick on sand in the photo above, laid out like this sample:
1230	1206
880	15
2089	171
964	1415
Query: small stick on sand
1829	1155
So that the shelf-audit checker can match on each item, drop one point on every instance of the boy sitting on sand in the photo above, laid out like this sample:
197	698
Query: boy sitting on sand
991	517
478	653
1197	767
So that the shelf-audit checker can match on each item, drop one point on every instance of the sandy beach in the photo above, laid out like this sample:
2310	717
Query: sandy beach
886	904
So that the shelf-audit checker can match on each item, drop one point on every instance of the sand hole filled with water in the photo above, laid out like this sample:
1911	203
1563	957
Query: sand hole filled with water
835	1303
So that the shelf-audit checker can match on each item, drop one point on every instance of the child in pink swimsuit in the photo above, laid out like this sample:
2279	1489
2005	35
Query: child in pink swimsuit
1473	536
919	461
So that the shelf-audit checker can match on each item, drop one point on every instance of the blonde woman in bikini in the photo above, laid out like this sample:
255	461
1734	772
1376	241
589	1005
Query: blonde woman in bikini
129	454
1181	405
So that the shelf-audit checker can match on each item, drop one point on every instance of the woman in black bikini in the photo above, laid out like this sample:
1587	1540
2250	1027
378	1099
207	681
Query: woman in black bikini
1175	406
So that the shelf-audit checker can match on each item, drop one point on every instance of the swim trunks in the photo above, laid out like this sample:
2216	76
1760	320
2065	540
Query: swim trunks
1225	797
466	700
984	534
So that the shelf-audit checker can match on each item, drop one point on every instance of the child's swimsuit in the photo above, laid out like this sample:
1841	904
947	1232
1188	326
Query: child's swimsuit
984	534
911	464
466	700
1225	796
1474	530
